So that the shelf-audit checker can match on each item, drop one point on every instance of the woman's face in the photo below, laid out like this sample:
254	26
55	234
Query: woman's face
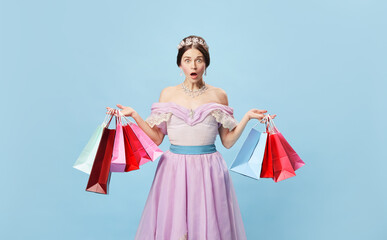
193	65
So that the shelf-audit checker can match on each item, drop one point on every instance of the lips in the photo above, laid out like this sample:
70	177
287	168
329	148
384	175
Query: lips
194	75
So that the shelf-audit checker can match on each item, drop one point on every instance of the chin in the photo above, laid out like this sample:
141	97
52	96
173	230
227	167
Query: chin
196	79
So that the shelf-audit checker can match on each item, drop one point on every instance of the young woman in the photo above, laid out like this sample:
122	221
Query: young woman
192	195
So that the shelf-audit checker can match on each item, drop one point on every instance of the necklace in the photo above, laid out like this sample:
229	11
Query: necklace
194	93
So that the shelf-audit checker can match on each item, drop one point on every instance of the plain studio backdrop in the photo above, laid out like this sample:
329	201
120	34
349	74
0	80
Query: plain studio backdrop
319	65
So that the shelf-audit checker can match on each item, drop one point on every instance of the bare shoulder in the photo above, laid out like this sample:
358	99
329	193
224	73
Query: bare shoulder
167	93
219	94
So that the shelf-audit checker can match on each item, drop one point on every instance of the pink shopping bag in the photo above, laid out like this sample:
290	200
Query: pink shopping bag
118	162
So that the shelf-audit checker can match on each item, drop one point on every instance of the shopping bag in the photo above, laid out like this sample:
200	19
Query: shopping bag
267	163
295	160
248	162
99	178
118	162
150	147
86	158
282	167
132	163
138	150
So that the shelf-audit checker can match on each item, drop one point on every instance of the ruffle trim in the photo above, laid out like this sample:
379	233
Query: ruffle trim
225	119
157	119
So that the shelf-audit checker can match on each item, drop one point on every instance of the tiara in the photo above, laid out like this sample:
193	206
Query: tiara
192	40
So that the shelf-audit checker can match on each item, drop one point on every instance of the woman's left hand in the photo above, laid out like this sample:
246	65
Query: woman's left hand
258	114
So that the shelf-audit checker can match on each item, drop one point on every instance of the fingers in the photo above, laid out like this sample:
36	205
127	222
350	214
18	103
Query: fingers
265	118
261	116
271	116
110	111
258	116
259	111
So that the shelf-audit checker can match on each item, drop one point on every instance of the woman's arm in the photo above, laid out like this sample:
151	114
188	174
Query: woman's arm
154	133
228	137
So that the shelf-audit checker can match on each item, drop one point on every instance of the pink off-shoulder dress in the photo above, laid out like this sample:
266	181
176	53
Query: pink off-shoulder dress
192	196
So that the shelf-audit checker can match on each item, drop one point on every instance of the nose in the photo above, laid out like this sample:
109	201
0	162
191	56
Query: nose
193	65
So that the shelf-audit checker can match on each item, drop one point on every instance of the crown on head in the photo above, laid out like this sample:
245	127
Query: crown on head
193	41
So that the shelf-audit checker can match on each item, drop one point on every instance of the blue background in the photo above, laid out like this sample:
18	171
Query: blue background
319	65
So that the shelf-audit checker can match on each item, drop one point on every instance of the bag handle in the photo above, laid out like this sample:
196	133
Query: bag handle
272	127
267	119
124	117
111	113
118	117
106	117
106	121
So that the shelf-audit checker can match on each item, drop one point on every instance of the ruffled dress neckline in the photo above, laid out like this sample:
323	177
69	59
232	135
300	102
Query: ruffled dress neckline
162	111
191	109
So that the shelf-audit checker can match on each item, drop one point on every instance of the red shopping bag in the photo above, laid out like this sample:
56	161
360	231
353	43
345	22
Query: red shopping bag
152	150
150	147
100	173
267	163
132	163
282	166
295	160
136	146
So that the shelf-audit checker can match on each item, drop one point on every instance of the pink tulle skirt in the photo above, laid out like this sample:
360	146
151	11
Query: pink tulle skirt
192	197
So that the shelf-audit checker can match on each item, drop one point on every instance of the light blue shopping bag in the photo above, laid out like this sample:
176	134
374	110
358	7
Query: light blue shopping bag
85	160
248	162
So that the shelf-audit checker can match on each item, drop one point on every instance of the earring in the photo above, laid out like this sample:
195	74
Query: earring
205	72
181	72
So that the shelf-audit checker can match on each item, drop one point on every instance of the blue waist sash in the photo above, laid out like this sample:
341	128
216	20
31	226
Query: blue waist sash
192	150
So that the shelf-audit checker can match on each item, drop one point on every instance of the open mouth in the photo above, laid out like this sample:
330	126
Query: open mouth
193	74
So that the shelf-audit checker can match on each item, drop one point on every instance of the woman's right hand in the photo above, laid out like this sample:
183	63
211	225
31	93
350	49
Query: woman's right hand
127	111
